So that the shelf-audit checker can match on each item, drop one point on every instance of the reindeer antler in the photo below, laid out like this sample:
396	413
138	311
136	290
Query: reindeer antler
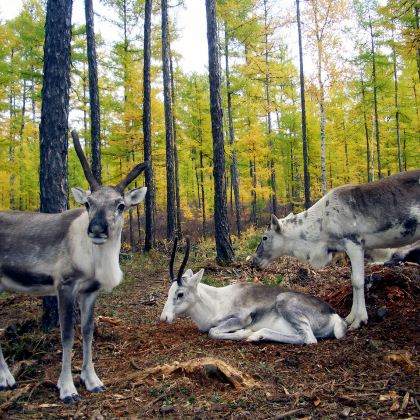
93	183
178	278
132	175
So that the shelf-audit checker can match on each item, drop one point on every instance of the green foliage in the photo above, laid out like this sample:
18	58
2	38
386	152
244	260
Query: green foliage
348	86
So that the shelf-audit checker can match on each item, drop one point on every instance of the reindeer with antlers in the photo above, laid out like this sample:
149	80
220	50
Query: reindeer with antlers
72	255
247	311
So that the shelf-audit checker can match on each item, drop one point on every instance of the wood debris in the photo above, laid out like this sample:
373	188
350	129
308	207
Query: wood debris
209	366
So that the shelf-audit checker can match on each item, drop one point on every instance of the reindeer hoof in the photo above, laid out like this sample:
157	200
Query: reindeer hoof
8	387
98	389
71	399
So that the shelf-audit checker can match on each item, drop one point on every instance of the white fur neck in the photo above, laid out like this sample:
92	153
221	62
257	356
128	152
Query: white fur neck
204	311
99	262
107	264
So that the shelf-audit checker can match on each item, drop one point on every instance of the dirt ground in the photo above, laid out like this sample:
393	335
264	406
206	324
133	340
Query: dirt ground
371	373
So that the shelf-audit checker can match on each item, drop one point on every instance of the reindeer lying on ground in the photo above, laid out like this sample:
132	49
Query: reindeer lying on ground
350	218
251	312
70	254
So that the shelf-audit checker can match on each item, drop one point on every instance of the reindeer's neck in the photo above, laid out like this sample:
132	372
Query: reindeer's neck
106	261
307	224
206	310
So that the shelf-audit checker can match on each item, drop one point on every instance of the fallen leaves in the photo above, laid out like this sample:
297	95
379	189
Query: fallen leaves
401	358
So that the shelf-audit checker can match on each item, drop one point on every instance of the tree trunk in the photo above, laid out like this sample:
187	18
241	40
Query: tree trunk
170	187
416	12
131	223
396	102
221	224
375	100
95	122
149	238
54	122
369	175
175	147
235	176
203	198
319	44
303	111
268	104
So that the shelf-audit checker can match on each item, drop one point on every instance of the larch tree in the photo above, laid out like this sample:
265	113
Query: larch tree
95	119
147	129
170	180
268	111
54	122
303	112
234	165
223	245
323	16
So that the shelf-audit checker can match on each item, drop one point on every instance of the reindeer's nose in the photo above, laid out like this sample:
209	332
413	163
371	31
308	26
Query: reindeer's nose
98	228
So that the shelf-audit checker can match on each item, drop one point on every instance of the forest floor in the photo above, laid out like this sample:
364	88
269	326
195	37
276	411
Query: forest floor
371	373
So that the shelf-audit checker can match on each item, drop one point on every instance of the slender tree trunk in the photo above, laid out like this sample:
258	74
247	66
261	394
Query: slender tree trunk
95	120
268	104
320	46
369	175
85	119
203	198
223	245
346	155
131	222
396	102
12	139
170	187
54	122
149	238
235	176
33	95
303	109
416	12
175	146
375	99
139	238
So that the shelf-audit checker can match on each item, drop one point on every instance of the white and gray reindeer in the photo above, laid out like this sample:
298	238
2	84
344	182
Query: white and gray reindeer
251	312
350	218
72	255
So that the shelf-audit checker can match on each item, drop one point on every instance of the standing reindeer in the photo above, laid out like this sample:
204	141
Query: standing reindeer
251	312
70	254
350	218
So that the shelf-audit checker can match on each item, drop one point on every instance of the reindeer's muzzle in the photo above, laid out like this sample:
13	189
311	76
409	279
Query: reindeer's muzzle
98	231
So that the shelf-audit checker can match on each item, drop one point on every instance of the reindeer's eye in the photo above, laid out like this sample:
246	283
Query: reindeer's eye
121	207
264	238
180	295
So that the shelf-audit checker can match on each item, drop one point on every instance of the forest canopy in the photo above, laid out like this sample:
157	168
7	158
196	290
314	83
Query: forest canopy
362	70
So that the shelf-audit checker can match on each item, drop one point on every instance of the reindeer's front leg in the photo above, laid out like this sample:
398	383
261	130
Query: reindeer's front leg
88	375
232	328
7	381
66	299
358	314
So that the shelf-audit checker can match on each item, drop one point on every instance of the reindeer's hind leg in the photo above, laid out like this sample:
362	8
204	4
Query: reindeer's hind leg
7	381
66	299
88	375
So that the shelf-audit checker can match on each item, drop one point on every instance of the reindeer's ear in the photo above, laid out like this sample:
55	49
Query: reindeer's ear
80	195
189	273
134	197
275	224
196	278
